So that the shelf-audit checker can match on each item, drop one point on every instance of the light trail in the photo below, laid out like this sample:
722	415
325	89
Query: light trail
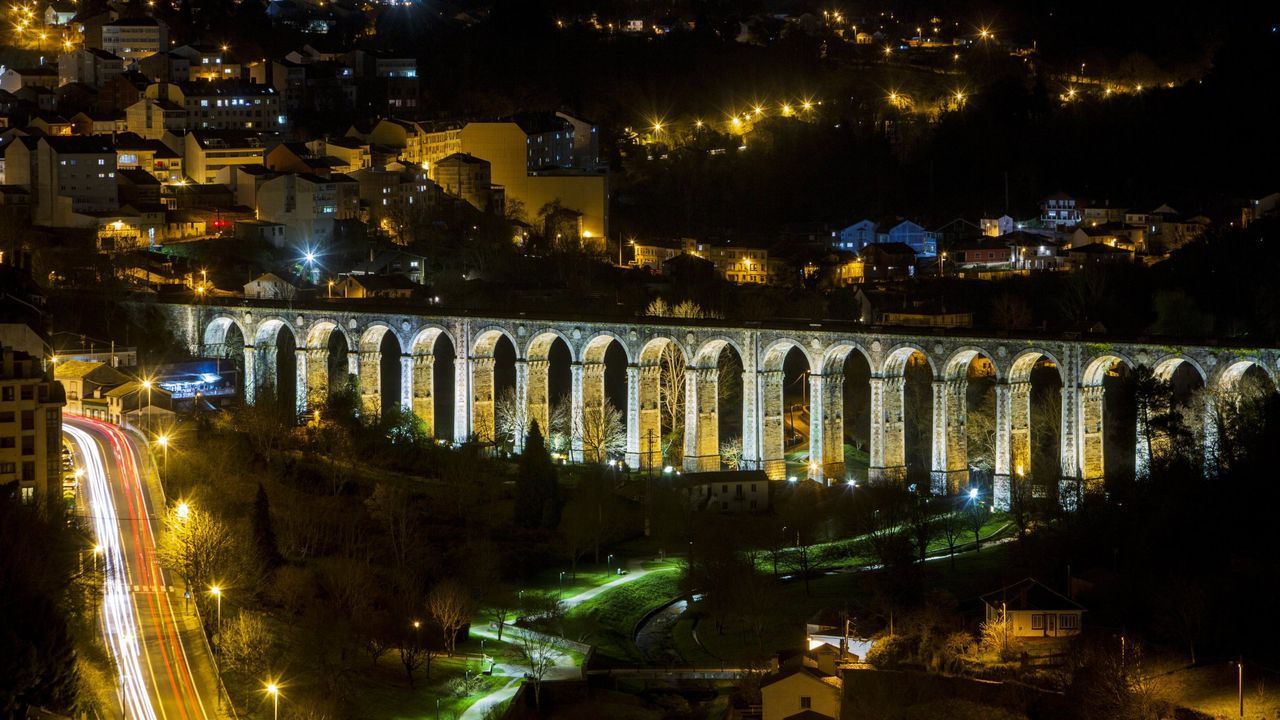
139	625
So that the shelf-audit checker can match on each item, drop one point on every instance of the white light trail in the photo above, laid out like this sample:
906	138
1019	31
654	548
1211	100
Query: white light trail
119	625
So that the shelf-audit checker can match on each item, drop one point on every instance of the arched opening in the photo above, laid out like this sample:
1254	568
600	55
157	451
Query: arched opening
663	371
428	360
604	400
1238	405
1031	462
548	395
716	440
224	341
327	363
964	454
785	429
492	372
275	368
1170	406
902	418
1107	427
380	370
444	395
847	413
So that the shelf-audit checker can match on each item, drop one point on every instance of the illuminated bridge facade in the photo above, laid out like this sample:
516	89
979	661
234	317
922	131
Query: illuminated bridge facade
1080	364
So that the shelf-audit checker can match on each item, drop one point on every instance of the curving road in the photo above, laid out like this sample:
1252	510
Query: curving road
164	668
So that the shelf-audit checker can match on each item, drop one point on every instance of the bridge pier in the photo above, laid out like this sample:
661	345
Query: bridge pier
701	419
772	430
888	451
831	456
423	402
634	448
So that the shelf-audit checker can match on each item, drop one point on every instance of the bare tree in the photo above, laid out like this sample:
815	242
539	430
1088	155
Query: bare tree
508	418
951	526
731	453
602	431
539	650
393	507
451	605
671	392
204	549
244	645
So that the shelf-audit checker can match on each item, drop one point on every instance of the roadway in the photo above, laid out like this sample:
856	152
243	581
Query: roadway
164	667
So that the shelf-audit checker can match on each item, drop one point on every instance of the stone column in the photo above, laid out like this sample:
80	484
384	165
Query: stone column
833	427
593	404
424	386
406	383
300	381
482	399
370	373
752	420
1071	426
1209	420
888	442
463	409
772	442
817	426
537	403
317	376
353	368
634	448
1001	488
250	374
702	420
575	412
938	480
1020	428
957	420
650	416
521	424
1141	450
1092	470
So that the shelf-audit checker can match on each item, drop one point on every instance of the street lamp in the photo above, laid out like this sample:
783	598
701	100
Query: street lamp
183	510
973	493
217	593
164	445
274	691
146	385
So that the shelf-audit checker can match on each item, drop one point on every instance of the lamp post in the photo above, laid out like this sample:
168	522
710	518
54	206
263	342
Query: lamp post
217	594
164	445
561	584
274	691
146	385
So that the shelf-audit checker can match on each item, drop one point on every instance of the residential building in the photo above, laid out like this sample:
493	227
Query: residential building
98	123
307	205
14	79
298	157
549	140
995	227
89	66
911	234
223	104
1098	254
801	692
85	379
269	286
134	152
376	286
857	236
466	177
151	118
59	13
386	194
737	264
883	307
729	491
165	67
66	176
207	152
207	62
586	141
888	261
1029	609
134	404
508	148
30	423
350	154
1060	209
1118	235
393	262
135	38
654	255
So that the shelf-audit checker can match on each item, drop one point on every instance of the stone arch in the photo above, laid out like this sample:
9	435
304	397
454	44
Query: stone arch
1166	366
422	349
956	366
484	382
597	345
775	353
703	396
775	411
707	355
1228	378
949	469
1092	417
372	338
1025	361
319	332
830	454
663	394
540	343
318	366
215	332
895	360
835	356
262	364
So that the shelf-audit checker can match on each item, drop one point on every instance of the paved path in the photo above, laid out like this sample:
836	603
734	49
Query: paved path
564	669
635	571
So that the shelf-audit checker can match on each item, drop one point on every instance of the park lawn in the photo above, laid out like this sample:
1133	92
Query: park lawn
687	646
589	576
383	693
610	618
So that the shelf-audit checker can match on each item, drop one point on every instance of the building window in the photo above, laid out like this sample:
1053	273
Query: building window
806	702
1037	622
28	495
1069	621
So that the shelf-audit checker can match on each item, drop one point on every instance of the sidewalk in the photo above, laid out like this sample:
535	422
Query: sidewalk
635	570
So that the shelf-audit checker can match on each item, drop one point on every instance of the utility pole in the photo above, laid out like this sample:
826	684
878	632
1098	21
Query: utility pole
1240	683
648	489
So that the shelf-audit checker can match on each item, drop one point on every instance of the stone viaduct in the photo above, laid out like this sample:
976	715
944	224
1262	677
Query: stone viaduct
1081	365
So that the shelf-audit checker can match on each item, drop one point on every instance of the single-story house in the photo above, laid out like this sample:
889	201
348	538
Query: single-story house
1032	610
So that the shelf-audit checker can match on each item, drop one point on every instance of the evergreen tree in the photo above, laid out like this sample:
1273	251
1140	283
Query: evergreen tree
264	534
537	493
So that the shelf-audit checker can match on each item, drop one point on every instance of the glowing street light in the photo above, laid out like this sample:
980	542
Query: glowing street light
217	594
973	493
274	691
163	440
183	511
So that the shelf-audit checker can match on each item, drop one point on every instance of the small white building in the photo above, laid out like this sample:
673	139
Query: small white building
1032	610
801	692
269	286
